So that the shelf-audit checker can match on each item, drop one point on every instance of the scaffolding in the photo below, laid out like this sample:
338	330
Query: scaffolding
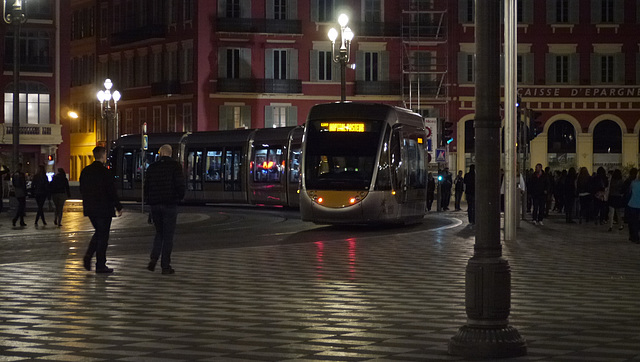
424	58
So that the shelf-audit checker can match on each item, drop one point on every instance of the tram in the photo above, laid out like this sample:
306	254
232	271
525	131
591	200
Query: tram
255	166
363	163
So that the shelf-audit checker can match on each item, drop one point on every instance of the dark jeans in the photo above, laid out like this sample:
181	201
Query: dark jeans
457	199
633	215
59	200
471	208
40	199
99	241
164	219
539	202
446	198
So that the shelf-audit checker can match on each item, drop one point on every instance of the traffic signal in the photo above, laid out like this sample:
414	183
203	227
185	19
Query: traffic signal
535	125
446	132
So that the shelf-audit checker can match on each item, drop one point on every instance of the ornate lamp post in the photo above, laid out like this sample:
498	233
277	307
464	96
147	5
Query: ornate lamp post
109	114
343	55
15	16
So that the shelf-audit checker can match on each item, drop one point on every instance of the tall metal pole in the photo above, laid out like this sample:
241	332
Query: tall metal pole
510	119
487	333
343	75
16	92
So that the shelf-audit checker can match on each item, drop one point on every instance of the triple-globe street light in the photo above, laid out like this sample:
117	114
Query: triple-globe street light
342	56
13	14
109	114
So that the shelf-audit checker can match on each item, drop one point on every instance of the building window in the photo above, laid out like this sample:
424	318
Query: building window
104	21
325	64
142	117
325	10
157	119
156	67
372	11
280	116
141	75
279	64
34	50
171	63
371	66
233	63
562	11
34	105
280	9
187	117
562	69
172	125
187	64
466	11
128	121
606	8
235	117
469	67
187	11
233	9
606	68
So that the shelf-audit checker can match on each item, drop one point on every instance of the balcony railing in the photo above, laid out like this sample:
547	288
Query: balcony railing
244	25
32	134
31	64
260	85
164	88
148	32
377	88
377	29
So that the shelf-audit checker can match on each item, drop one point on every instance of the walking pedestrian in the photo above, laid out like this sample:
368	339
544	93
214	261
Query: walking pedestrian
431	188
40	186
470	193
60	192
615	199
599	184
100	203
459	189
633	210
163	189
19	182
538	188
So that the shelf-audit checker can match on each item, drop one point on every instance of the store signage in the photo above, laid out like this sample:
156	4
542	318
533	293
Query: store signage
630	92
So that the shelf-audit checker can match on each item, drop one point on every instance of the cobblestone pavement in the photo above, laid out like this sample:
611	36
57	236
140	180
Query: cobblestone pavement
575	297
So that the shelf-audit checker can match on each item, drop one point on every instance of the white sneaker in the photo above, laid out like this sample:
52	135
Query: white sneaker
535	222
540	223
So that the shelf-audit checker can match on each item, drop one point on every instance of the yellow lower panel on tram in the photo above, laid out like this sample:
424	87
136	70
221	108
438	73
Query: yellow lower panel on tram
337	199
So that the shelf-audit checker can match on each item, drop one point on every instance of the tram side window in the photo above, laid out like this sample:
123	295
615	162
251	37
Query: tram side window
396	161
232	165
383	178
213	166
414	154
127	170
269	165
294	169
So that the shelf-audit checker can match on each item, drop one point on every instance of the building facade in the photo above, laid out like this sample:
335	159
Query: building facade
199	65
43	74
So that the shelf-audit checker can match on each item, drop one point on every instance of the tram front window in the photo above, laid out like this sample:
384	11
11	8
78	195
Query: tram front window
341	155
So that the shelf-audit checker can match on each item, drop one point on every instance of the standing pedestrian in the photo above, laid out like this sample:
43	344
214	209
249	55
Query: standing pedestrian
470	193
40	186
459	189
445	187
584	194
163	189
633	210
615	199
538	188
569	194
3	170
100	203
60	192
431	188
19	182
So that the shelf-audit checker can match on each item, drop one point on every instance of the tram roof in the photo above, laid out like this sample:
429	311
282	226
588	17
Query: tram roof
158	139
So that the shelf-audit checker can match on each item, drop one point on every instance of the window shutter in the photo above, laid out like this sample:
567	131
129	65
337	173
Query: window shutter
596	12
383	67
618	11
270	11
462	11
359	66
462	68
268	63
222	8
245	9
551	68
528	71
292	12
292	116
527	11
551	11
292	63
245	63
268	116
618	70
314	10
574	69
222	62
245	114
223	117
313	65
574	11
596	66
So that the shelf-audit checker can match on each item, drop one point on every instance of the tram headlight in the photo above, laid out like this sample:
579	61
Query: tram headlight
319	200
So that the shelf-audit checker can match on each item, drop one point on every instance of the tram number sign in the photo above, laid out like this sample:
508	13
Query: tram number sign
441	155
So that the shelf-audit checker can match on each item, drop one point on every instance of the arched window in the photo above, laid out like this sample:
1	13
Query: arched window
561	137
35	105
469	137
607	137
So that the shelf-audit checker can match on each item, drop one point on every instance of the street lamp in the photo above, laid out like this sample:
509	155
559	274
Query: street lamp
343	55
15	16
109	114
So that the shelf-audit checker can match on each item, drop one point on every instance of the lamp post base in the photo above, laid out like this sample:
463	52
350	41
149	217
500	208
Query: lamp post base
487	342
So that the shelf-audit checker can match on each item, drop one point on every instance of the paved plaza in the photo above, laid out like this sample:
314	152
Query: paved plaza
374	296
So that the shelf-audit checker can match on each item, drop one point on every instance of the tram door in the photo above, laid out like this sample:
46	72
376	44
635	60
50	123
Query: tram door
409	176
194	175
233	175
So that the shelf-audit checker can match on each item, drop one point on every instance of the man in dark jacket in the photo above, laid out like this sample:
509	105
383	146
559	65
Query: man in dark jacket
470	191
538	189
163	189
99	202
19	181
